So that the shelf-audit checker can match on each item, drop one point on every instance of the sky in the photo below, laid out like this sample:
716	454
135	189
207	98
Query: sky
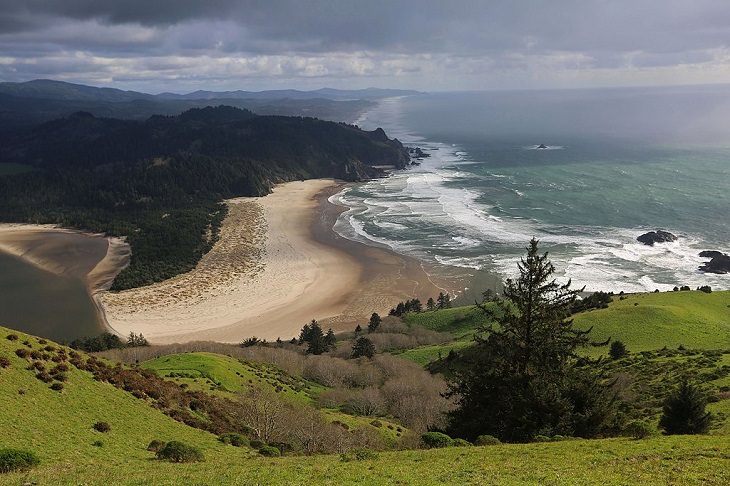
430	45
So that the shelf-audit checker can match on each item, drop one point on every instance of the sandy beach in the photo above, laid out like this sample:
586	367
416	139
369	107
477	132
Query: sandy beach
58	250
278	265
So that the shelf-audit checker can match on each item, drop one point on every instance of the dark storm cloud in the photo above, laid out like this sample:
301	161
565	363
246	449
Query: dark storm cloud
494	38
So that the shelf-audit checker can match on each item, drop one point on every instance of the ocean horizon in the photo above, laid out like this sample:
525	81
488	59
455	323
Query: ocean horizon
618	163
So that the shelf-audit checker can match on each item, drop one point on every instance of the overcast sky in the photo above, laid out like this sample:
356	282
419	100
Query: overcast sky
183	45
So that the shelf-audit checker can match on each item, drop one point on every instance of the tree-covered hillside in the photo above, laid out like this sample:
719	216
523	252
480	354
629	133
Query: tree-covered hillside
161	181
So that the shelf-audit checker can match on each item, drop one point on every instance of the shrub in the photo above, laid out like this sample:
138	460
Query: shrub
461	443
361	454
434	440
4	362
156	445
638	429
12	337
618	350
17	460
22	353
97	443
684	411
269	451
257	444
102	427
234	439
487	440
175	451
57	386
44	377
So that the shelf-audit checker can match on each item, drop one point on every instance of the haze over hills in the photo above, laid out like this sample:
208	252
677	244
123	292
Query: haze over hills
40	100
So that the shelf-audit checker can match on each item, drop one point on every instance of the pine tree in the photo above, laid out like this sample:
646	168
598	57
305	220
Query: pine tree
330	340
374	322
522	380
358	330
618	350
315	339
441	301
363	347
684	411
430	304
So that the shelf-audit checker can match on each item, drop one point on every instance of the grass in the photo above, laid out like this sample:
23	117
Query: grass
227	376
651	321
644	322
222	374
58	425
655	461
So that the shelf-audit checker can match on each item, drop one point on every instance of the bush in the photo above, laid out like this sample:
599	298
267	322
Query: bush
22	353
175	451
461	443
434	440
234	439
257	444
684	411
269	451
102	427
638	429
12	337
361	454
17	460
4	362
487	440
97	443
618	350
156	445
57	386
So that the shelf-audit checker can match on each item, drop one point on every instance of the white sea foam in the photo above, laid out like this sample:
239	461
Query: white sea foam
435	219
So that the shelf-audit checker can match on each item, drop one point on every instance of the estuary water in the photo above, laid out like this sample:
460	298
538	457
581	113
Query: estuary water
615	164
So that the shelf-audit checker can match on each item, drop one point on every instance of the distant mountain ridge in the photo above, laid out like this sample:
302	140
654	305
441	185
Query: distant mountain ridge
61	90
41	100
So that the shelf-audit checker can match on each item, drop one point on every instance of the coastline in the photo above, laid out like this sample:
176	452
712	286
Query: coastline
277	265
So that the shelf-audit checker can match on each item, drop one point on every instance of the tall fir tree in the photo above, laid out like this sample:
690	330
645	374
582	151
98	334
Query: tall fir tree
522	378
374	323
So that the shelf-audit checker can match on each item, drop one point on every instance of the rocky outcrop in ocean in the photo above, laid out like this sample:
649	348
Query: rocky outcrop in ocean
657	236
719	263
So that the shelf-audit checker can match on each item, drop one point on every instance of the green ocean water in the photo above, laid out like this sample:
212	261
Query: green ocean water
618	163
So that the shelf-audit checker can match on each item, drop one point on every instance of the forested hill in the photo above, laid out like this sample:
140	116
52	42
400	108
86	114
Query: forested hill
121	176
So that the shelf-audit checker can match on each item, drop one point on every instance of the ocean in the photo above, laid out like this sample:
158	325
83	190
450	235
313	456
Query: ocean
618	163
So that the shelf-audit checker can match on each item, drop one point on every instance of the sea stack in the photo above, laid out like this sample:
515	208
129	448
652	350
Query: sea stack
657	236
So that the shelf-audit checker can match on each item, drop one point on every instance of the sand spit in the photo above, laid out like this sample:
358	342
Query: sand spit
277	265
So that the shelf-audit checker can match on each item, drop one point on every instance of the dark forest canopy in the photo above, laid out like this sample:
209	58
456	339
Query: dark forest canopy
161	181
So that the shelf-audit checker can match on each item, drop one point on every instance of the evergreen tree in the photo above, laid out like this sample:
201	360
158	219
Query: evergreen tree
617	350
684	411
430	304
523	379
443	301
416	305
330	340
363	347
358	330
315	339
374	322
135	340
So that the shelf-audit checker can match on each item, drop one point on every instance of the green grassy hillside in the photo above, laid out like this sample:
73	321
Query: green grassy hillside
57	425
654	320
644	322
227	376
217	373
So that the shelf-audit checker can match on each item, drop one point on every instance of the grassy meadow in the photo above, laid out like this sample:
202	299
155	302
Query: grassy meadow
58	425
